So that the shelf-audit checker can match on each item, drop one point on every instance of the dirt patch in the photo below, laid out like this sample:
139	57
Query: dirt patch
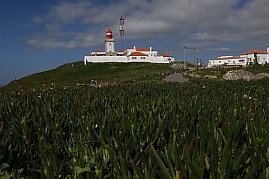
176	77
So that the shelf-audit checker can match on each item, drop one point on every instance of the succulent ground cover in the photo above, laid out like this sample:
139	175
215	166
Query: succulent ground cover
200	129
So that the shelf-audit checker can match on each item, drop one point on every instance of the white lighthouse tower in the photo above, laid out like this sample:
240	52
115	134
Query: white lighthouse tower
110	44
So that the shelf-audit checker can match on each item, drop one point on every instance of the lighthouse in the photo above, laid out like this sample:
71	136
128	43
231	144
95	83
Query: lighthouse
110	44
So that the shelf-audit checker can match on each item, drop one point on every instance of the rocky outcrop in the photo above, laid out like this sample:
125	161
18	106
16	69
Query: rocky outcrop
239	75
177	66
244	75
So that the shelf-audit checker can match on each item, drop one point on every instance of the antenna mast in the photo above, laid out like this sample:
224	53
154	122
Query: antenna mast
121	29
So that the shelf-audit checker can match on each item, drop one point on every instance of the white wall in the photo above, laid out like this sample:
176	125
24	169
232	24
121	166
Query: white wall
229	62
247	59
262	58
104	59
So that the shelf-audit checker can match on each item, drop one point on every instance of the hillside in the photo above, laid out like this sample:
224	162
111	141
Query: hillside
77	73
102	74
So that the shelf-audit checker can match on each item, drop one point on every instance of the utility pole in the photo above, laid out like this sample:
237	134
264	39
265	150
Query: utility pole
194	52
184	59
168	52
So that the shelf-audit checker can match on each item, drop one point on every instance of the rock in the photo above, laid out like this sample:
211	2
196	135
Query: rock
210	76
260	76
239	75
177	66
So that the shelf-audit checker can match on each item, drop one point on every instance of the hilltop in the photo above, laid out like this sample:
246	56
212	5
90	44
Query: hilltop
103	74
78	74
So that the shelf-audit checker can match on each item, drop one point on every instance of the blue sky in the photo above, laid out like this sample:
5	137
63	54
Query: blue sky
42	35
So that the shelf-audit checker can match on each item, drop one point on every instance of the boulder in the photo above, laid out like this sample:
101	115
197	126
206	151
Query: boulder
260	76
239	75
210	76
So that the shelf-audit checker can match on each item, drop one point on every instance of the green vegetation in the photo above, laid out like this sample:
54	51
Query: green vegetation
78	74
50	127
139	130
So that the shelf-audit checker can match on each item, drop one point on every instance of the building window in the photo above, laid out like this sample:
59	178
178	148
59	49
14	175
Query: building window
133	57
143	57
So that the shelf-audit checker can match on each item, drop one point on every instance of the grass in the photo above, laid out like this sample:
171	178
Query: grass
72	74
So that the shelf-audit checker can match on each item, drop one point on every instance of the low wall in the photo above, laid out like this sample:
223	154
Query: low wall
123	59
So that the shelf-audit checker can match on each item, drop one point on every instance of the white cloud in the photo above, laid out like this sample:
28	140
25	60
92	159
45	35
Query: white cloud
83	23
76	40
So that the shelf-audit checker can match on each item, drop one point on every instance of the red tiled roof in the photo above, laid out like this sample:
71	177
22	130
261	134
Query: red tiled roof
98	51
165	55
141	49
122	51
137	54
255	51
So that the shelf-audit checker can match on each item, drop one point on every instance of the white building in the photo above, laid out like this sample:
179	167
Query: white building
246	58
130	55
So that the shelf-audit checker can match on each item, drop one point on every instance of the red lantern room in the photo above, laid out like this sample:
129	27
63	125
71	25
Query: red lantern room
108	34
